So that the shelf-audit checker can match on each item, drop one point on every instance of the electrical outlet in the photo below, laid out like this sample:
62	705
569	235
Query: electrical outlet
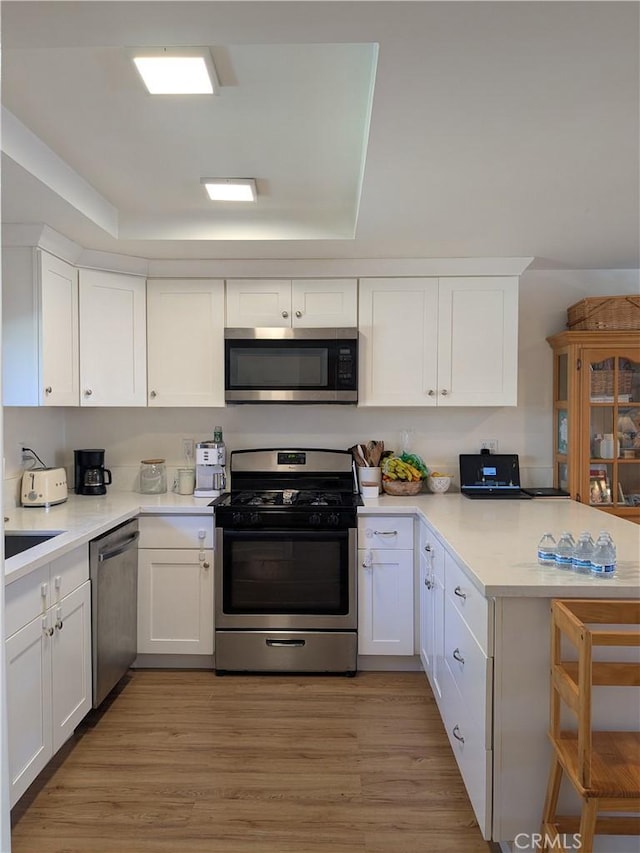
22	455
188	448
489	444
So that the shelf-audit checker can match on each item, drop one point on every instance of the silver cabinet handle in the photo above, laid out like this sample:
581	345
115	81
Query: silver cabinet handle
205	565
152	394
48	389
285	314
456	733
431	392
444	392
88	392
385	532
298	313
460	593
457	656
59	624
427	548
428	583
47	630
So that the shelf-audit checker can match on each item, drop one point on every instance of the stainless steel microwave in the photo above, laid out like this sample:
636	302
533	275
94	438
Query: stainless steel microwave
291	365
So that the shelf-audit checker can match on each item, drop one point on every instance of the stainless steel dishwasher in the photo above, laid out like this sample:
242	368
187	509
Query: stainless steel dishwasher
113	562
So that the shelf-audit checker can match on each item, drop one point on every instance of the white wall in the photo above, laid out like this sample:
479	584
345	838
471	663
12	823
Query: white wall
43	430
439	435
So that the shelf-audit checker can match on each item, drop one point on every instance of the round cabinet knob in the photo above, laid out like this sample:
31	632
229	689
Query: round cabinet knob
49	632
298	313
152	394
444	392
431	392
88	392
285	314
48	389
205	565
59	624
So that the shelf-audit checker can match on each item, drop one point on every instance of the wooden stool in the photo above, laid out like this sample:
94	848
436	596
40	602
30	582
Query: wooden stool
602	766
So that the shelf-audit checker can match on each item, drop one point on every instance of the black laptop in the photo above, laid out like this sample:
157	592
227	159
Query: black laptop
491	475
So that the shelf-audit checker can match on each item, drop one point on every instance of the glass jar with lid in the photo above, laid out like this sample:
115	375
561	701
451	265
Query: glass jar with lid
153	477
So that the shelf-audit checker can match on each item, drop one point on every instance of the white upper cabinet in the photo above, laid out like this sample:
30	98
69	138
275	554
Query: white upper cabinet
478	341
113	352
438	342
398	342
39	329
302	303
185	342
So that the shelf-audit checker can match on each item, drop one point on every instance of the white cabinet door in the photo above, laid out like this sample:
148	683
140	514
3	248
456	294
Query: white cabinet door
432	609
478	341
28	658
254	303
59	329
324	303
113	349
385	602
175	601
185	342
398	342
39	329
70	662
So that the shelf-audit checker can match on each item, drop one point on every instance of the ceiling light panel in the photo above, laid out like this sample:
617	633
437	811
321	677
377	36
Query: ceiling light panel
230	189
176	71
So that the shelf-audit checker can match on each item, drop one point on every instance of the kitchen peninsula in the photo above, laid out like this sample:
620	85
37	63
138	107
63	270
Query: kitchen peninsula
493	611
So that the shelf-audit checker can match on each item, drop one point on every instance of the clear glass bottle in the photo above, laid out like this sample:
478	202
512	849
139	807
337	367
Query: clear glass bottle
153	477
547	550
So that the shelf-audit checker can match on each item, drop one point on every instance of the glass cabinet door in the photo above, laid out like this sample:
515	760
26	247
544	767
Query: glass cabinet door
562	439
613	394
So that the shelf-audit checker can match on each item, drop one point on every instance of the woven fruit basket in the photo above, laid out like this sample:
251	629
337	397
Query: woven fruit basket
402	487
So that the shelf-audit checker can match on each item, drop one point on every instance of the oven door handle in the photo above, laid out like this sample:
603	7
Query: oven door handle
282	644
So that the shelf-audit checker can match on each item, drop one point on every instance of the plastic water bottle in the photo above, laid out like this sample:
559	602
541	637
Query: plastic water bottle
582	554
564	551
603	560
547	550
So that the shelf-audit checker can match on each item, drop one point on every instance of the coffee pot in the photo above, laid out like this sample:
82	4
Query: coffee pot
91	477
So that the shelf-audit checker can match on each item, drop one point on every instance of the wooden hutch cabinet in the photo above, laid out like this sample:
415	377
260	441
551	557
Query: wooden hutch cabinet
596	416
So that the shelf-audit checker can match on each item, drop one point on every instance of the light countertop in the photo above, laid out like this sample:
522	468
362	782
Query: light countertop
494	540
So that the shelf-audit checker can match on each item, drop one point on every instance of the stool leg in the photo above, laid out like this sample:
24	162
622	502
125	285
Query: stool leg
551	801
588	825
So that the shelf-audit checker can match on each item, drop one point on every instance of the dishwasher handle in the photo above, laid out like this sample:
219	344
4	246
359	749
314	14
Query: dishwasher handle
120	549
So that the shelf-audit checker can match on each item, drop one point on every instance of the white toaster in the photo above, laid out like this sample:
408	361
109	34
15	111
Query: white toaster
44	487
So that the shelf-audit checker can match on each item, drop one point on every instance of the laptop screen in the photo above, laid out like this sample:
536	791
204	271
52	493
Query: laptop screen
495	472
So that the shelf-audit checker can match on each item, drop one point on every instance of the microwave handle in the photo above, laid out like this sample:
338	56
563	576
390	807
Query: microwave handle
355	476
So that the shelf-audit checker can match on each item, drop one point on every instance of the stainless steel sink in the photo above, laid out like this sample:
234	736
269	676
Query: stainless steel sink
19	541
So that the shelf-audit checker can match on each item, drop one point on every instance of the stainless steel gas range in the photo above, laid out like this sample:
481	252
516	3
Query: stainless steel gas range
285	581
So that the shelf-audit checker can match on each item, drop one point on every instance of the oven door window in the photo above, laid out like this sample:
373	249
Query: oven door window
275	571
269	365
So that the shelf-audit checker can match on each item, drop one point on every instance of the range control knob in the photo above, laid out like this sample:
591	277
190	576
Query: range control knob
315	519
254	519
333	520
237	517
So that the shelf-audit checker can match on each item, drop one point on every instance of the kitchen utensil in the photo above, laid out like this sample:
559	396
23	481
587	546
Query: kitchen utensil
375	449
362	456
44	487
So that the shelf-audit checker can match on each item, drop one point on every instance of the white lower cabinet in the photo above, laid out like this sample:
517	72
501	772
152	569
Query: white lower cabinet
175	585
48	663
431	607
385	586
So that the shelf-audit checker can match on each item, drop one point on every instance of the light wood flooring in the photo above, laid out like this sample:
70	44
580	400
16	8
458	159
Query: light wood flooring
187	762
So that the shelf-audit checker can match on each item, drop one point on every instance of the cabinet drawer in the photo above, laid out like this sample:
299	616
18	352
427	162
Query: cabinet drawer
470	603
471	669
381	531
68	572
176	531
467	742
25	599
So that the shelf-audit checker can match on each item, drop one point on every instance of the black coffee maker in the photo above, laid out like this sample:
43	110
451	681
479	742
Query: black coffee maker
91	477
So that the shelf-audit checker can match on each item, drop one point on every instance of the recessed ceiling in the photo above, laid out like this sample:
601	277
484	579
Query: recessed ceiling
372	129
